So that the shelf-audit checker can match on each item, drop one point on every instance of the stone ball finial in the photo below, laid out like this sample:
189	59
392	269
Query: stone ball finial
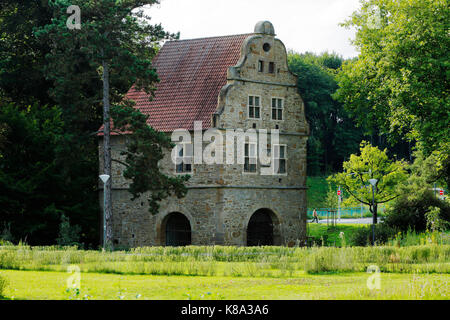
265	27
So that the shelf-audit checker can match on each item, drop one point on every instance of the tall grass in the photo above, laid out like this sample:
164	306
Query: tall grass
412	238
3	284
268	261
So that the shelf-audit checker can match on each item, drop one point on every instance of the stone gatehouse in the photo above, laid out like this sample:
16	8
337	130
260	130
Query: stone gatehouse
227	82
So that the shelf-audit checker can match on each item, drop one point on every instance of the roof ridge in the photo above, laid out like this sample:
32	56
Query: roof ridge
212	37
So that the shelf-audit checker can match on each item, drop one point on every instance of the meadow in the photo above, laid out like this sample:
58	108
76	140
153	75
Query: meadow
46	285
219	272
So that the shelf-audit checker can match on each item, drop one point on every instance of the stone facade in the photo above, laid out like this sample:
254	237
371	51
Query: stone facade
222	198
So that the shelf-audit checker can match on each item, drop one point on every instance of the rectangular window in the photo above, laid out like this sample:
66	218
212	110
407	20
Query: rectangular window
254	107
279	159
250	157
260	66
277	108
271	67
185	156
269	154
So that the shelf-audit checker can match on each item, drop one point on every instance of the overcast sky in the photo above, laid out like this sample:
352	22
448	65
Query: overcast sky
303	25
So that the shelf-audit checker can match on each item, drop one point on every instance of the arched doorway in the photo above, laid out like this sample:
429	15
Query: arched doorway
177	230
261	229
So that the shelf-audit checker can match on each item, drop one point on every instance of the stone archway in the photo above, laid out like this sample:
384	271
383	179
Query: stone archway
176	230
263	229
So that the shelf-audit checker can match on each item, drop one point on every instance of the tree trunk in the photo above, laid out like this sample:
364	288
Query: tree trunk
107	154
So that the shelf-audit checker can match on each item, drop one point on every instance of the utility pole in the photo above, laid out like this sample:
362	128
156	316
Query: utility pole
339	203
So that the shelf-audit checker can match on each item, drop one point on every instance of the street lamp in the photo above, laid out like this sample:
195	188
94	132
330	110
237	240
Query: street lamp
104	178
373	182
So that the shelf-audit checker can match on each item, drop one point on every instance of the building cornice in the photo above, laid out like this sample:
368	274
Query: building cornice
263	82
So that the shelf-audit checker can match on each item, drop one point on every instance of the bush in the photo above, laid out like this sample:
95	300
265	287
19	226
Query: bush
3	284
6	234
68	235
434	220
409	212
363	235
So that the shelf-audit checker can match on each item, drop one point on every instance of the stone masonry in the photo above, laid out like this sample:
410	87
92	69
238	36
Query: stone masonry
222	198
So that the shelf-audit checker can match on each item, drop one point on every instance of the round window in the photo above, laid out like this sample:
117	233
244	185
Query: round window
266	47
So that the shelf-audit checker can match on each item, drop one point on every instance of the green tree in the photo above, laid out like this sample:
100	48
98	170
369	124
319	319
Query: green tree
331	198
372	163
69	235
144	150
333	135
29	174
114	47
399	83
22	55
23	70
411	208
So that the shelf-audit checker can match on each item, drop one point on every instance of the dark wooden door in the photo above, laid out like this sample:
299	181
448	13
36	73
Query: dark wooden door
260	229
178	230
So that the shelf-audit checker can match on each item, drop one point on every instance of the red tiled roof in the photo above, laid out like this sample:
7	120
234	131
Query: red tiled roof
192	72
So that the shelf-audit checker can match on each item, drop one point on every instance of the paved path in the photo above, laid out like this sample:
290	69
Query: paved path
360	221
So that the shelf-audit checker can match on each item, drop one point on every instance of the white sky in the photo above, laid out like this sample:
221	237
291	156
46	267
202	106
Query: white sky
302	25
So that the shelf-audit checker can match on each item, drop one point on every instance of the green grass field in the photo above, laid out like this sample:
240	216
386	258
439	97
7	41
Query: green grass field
53	285
218	272
331	235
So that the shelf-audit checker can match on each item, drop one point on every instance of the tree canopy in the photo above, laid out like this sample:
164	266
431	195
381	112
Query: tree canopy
399	82
42	62
30	176
372	163
333	135
113	48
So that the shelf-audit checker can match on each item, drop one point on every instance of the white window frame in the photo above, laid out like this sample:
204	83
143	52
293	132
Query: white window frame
262	62
272	108
255	156
185	157
275	159
254	107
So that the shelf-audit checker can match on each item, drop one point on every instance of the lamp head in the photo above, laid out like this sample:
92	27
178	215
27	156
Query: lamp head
373	182
104	177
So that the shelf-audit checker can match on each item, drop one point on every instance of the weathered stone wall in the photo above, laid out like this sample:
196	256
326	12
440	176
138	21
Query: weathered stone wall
244	79
216	215
221	197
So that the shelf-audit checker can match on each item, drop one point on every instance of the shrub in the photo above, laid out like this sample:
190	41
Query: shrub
68	235
410	209
363	236
6	235
434	220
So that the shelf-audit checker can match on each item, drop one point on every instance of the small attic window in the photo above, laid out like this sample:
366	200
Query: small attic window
266	47
260	66
271	67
